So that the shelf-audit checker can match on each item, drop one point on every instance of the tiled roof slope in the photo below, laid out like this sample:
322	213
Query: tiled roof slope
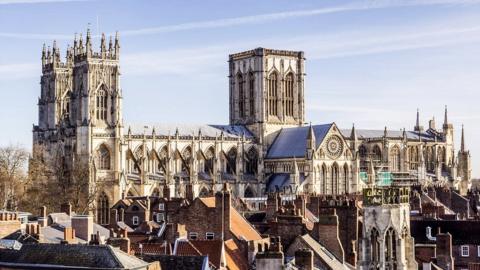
86	256
239	226
292	142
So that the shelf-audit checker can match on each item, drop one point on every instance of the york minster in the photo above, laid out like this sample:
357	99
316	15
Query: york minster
268	145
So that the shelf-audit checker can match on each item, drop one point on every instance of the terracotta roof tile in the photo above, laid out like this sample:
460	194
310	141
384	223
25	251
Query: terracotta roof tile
208	201
240	227
212	248
235	259
185	248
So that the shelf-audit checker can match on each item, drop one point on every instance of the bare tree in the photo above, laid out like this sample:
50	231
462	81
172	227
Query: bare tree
12	175
61	179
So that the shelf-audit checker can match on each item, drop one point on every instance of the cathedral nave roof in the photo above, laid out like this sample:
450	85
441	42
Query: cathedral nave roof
229	131
371	133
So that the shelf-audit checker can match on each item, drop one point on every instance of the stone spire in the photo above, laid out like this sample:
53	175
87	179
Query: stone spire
117	46
354	138
445	120
417	127
311	142
44	55
88	43
103	46
462	143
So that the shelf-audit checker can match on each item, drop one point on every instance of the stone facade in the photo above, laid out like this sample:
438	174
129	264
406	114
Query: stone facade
386	241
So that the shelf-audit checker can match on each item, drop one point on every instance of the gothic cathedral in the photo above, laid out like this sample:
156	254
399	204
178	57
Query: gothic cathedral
266	146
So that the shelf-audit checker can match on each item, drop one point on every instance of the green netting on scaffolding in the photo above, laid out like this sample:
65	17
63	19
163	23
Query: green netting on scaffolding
382	178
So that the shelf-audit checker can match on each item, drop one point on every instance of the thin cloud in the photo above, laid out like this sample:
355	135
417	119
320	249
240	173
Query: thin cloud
12	2
206	60
247	20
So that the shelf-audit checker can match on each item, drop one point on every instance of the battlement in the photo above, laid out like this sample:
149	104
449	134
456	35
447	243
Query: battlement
385	195
79	52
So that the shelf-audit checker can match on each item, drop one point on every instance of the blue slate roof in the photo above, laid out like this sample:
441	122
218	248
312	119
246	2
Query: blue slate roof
292	142
278	181
370	134
229	131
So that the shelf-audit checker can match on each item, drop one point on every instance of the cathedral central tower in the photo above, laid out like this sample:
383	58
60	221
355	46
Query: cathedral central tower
267	90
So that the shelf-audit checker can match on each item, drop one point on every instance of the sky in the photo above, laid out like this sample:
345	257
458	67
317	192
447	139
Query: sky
372	63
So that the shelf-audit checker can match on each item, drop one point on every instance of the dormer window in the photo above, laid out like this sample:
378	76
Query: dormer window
193	236
135	220
209	235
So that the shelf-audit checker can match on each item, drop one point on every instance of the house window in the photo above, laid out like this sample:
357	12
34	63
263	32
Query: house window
478	251
161	207
135	220
464	250
209	235
193	236
160	217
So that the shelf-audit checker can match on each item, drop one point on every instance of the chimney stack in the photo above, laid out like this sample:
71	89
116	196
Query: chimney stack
83	226
69	236
66	208
42	218
304	259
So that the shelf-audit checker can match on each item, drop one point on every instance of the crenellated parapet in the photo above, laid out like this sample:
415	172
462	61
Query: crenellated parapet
373	196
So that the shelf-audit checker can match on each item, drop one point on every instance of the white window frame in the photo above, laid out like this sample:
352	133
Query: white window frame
158	219
161	206
478	251
209	234
193	236
135	220
465	248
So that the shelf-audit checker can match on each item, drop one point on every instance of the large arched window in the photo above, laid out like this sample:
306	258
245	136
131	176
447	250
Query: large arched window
103	208
272	94
324	179
374	247
248	193
186	159
251	89
391	247
345	179
66	106
204	192
103	158
395	159
241	95
377	153
162	161
413	157
289	95
251	161
232	161
209	160
102	98
334	179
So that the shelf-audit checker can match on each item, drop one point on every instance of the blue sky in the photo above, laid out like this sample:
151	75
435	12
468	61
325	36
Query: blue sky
372	63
